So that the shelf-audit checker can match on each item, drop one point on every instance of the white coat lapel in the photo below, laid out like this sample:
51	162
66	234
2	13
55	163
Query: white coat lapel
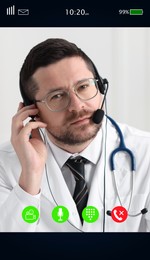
54	188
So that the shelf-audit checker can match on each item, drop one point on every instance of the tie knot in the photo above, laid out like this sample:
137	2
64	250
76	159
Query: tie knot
78	159
76	165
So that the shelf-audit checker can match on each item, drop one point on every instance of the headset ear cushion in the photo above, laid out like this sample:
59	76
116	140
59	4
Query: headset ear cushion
101	84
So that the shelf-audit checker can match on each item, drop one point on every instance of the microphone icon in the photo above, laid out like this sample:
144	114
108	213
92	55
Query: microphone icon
60	214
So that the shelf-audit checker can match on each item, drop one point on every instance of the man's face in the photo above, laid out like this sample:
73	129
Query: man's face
72	126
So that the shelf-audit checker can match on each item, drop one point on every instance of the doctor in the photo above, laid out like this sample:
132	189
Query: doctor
62	89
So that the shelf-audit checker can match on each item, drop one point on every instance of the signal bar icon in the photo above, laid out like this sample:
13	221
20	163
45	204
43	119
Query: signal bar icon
10	10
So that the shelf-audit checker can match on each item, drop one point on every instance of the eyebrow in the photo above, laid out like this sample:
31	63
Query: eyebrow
55	89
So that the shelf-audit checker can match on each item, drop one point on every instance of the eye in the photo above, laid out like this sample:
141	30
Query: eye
83	87
57	96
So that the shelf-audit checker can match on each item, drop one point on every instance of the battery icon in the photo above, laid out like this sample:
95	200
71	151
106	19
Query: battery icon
136	11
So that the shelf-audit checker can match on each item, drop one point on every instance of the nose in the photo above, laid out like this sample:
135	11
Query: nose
76	104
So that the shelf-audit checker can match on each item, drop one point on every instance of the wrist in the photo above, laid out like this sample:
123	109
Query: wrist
30	184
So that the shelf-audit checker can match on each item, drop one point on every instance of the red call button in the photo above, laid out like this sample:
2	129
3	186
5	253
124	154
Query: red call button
119	214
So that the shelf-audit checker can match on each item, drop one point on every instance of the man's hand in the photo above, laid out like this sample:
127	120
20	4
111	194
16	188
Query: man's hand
31	152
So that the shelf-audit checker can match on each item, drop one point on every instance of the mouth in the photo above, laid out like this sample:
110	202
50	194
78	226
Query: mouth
80	121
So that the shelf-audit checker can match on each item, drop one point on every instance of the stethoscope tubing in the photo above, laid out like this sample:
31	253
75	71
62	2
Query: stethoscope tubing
121	148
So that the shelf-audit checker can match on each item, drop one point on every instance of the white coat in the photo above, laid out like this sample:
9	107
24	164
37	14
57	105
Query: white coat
13	199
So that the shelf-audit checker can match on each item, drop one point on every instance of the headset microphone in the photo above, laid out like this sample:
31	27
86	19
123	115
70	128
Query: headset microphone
98	116
99	113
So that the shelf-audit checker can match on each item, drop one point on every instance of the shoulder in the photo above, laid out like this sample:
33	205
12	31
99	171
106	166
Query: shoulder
131	135
134	132
137	140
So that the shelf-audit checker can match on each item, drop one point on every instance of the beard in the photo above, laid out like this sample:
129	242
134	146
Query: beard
70	135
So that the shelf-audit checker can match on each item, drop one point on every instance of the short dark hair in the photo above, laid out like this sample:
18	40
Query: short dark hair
45	53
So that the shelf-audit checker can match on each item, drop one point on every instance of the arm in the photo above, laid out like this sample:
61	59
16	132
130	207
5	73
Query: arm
31	152
18	192
13	201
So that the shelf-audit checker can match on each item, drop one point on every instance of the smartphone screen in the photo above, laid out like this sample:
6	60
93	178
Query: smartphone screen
116	37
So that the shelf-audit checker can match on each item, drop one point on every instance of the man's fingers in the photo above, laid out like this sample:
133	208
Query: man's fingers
32	128
36	134
21	105
24	113
18	127
20	117
25	132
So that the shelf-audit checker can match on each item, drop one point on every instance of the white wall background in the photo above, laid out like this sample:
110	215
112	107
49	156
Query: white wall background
122	55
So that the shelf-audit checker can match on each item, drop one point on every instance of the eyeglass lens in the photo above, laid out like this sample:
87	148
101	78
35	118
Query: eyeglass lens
59	100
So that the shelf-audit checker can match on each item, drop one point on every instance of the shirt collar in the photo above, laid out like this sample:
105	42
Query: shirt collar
91	152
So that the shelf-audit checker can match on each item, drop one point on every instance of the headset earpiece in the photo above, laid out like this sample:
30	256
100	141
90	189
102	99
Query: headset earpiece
101	82
103	85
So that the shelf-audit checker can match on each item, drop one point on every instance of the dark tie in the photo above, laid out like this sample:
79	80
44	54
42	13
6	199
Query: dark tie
80	195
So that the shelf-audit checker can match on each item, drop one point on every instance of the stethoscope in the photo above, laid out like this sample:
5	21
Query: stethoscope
122	148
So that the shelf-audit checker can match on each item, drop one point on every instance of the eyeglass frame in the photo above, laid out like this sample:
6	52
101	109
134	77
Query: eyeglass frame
68	93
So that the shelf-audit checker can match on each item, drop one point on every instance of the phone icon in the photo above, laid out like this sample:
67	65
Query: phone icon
116	216
119	214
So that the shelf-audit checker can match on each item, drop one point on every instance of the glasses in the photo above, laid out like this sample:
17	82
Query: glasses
59	100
